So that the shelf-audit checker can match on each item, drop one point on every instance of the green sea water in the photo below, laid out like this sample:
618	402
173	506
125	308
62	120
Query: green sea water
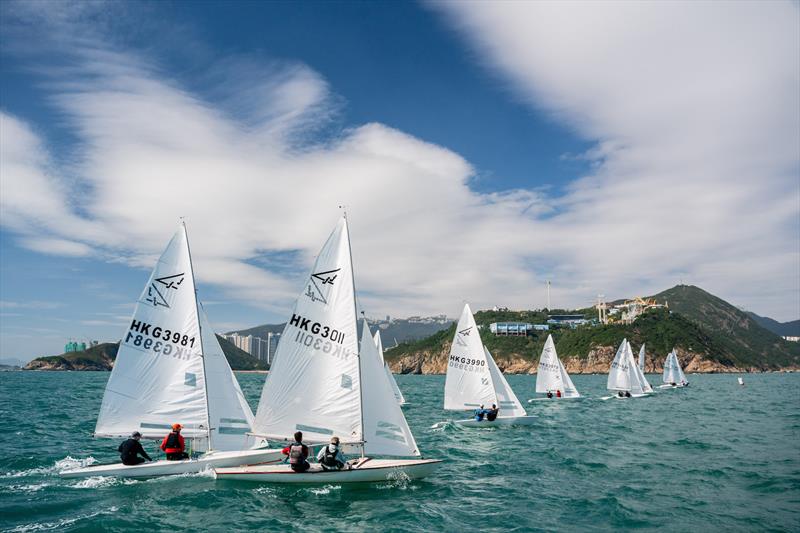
712	457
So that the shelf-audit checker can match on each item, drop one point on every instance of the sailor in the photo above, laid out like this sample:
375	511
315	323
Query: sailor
549	394
627	394
492	413
479	413
558	393
331	457
619	393
173	444
298	454
131	449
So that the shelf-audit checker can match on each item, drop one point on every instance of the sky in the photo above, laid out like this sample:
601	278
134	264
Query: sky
480	148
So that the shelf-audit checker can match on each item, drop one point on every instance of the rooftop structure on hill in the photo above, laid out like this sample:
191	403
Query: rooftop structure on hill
572	321
516	329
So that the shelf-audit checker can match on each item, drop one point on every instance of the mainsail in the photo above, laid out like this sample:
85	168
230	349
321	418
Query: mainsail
468	383
551	376
619	376
170	368
395	389
507	401
386	431
314	382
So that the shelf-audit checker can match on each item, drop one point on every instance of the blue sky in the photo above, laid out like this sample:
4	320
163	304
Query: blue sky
482	149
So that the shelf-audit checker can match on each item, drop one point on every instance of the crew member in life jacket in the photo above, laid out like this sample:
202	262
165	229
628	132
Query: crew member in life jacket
298	454
492	413
173	444
131	449
558	393
479	413
331	457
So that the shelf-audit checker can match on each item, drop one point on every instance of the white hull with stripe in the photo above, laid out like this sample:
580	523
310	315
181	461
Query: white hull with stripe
499	421
206	461
365	470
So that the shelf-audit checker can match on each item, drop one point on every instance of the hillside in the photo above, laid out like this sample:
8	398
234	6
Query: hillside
784	329
102	356
399	330
708	333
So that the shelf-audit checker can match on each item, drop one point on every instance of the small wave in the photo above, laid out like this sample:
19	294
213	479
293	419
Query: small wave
67	463
60	524
95	482
36	487
326	489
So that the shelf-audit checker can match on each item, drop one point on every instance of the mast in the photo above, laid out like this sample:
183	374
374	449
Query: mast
200	334
355	313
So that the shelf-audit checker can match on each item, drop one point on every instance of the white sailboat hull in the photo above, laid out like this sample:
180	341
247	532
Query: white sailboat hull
170	468
555	399
528	420
363	471
615	396
668	386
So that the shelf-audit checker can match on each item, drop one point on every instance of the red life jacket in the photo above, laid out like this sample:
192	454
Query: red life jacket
173	443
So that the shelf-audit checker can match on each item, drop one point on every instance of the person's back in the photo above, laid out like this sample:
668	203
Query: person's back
558	394
491	415
174	445
298	454
131	449
479	413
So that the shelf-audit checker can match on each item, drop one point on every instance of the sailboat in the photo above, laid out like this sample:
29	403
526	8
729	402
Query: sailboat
552	377
170	368
398	395
323	384
639	369
473	379
673	376
623	376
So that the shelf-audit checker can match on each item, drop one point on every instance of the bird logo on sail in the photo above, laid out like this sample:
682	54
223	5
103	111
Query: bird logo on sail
464	333
160	291
320	284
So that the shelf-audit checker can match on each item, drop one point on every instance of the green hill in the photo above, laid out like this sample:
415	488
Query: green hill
102	356
695	323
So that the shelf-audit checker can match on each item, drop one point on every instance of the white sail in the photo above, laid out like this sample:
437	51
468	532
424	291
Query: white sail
569	388
158	377
398	394
386	431
468	383
641	358
229	413
681	375
670	369
640	372
619	377
314	383
637	385
507	401
548	373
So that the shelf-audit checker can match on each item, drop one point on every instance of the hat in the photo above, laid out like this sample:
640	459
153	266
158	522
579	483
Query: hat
176	427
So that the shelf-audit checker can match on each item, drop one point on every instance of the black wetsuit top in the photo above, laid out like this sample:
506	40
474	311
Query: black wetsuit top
130	449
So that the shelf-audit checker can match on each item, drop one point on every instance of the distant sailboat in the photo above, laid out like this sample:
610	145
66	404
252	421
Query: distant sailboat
552	377
623	376
398	394
641	358
473	379
673	373
324	384
170	368
741	381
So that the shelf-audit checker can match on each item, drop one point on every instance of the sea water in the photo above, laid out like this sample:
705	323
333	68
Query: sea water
714	456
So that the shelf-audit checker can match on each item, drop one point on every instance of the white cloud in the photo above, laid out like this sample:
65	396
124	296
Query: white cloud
695	175
695	110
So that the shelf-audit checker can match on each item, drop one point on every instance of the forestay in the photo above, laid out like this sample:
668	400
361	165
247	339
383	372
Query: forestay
398	394
229	413
386	431
158	376
468	383
313	385
507	401
619	377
